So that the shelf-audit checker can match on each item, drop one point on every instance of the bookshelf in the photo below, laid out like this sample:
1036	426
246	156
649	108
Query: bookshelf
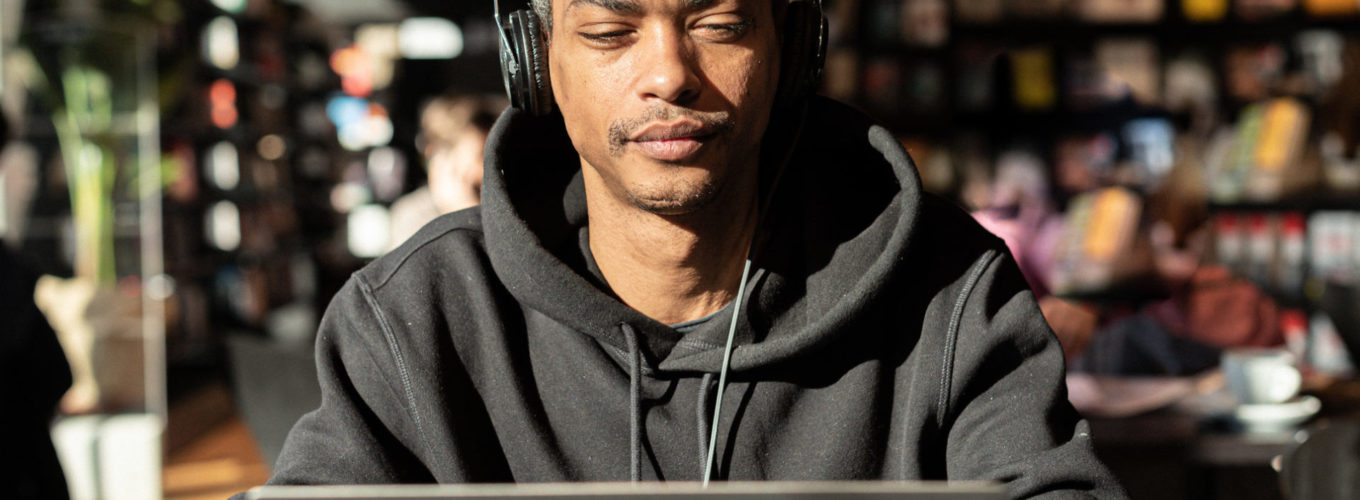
1216	117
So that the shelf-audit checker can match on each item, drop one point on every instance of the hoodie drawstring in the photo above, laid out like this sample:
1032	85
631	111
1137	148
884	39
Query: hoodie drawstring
701	413
634	403
722	373
630	336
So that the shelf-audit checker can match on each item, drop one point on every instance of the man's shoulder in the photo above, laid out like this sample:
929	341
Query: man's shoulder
941	217
451	243
948	240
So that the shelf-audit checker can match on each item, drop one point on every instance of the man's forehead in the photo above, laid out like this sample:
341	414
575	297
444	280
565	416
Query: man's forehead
638	6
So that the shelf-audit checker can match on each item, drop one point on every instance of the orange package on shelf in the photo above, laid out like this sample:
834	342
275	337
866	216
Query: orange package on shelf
1204	10
1331	7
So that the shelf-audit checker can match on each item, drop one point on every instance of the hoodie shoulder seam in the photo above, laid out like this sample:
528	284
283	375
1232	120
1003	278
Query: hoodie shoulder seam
390	337
401	262
951	335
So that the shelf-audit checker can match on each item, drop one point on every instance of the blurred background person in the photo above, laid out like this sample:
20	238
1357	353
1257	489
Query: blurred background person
452	138
33	376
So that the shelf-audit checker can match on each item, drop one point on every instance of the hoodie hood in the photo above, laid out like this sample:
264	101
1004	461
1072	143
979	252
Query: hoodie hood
837	231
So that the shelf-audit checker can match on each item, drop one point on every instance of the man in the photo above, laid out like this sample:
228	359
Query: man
453	135
573	327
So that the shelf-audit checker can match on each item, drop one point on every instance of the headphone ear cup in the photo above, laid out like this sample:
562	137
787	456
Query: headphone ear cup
513	68
524	68
536	60
804	52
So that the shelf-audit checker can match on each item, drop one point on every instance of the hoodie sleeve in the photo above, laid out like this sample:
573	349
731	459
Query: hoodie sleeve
357	435
1009	417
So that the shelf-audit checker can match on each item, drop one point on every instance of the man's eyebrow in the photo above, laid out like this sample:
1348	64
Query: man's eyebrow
693	5
630	7
615	6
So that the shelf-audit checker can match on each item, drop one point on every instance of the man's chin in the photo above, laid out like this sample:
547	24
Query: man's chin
686	199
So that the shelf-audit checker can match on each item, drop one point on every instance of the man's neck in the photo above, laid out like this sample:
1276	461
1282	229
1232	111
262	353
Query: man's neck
672	268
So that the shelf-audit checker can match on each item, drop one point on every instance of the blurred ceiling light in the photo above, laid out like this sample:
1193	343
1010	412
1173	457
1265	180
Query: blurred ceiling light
355	68
367	228
429	38
379	42
222	103
351	12
221	44
373	131
347	61
347	195
224	166
378	39
160	287
222	91
271	147
232	6
359	124
386	172
344	110
379	126
224	226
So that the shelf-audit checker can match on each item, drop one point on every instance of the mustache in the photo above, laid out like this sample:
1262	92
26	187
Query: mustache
714	122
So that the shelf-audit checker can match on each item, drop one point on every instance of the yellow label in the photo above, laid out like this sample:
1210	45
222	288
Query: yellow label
1281	129
1033	71
1204	10
1111	211
1331	7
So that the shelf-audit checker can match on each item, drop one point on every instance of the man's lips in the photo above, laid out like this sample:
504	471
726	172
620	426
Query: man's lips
672	142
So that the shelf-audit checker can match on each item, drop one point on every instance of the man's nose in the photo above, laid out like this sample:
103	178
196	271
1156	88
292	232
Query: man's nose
668	68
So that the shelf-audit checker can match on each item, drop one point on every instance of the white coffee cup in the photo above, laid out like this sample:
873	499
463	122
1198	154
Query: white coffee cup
1261	376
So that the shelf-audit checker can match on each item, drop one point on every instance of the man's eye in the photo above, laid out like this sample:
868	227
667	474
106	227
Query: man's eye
605	38
725	32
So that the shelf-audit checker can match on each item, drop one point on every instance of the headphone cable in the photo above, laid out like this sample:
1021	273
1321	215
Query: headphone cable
741	294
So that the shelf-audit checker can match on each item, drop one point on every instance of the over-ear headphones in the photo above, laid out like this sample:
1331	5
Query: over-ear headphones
524	57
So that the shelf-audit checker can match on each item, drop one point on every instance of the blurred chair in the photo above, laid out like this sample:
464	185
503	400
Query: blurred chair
1326	465
275	384
1342	305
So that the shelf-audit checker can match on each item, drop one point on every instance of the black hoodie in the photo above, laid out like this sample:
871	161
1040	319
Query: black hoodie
884	335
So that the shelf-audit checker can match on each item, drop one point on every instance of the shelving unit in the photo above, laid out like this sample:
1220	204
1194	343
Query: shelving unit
869	37
963	95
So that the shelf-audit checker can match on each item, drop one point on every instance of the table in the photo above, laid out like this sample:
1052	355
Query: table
1172	454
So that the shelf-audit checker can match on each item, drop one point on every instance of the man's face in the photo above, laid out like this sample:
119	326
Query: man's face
665	100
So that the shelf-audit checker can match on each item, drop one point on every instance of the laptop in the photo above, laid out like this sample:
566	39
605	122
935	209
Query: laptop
795	490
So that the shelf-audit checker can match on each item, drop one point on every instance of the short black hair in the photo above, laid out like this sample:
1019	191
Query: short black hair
543	9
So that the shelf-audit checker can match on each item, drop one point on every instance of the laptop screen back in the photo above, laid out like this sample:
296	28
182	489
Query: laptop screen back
796	490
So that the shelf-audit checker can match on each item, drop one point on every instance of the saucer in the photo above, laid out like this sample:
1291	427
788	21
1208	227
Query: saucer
1278	416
